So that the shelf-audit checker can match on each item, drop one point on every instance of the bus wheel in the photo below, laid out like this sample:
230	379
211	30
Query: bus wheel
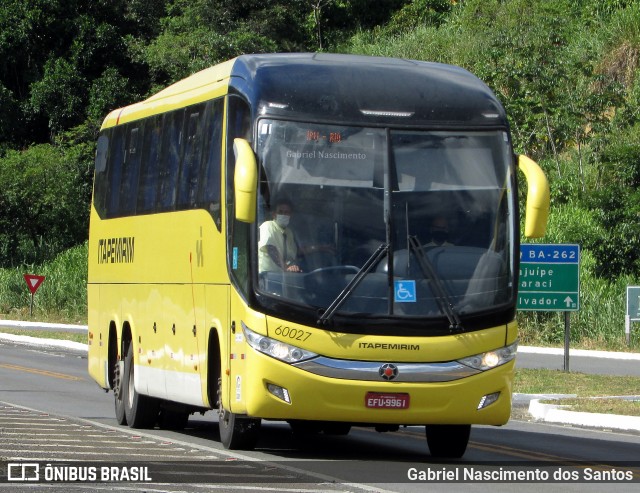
238	432
448	441
121	418
141	411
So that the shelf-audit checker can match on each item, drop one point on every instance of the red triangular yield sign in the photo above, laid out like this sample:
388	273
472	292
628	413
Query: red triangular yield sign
33	282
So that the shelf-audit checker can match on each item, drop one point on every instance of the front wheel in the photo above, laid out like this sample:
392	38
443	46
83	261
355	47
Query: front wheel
238	432
448	441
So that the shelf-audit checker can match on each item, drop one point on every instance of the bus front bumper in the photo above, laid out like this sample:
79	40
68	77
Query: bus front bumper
276	390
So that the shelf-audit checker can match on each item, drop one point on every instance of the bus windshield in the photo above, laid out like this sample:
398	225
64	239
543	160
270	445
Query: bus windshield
385	222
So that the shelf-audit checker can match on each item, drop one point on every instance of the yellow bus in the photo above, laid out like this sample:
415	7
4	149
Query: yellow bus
391	187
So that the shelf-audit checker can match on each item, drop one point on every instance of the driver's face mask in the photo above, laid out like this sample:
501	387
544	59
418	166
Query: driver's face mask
282	220
282	215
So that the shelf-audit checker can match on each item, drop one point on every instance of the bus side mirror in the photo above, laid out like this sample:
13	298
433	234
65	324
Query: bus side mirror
245	180
537	207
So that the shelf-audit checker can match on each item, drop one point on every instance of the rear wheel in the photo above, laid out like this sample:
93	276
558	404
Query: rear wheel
141	411
121	418
448	441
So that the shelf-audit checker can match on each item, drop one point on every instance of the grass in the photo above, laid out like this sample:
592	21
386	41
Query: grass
530	381
585	387
42	334
62	297
603	406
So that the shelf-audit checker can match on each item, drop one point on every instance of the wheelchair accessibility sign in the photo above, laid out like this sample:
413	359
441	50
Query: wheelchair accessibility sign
404	292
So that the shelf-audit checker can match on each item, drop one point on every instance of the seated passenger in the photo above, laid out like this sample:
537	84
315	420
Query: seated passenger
439	231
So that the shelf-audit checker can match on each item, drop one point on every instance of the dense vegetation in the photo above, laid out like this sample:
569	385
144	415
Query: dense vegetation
566	70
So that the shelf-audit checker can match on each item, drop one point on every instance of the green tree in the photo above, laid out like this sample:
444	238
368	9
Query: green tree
200	33
44	196
60	94
419	13
52	51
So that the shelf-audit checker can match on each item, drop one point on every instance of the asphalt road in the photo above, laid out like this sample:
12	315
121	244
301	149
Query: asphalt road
592	362
53	386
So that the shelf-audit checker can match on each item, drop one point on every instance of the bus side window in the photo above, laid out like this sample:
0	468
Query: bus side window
172	136
130	170
101	169
209	193
238	125
148	187
114	171
192	160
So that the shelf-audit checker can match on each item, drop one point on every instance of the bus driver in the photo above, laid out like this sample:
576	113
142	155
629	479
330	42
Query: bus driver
277	246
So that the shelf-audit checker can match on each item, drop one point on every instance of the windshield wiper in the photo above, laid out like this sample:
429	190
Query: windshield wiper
439	289
380	252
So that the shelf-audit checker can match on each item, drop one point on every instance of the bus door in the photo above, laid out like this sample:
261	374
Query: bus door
236	383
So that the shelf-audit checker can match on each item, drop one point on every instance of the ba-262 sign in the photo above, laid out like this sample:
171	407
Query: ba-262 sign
549	277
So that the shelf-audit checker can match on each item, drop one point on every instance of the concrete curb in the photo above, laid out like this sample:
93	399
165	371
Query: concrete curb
38	341
557	413
17	324
581	352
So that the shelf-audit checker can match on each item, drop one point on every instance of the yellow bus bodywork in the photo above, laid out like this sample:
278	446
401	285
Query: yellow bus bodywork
181	284
164	278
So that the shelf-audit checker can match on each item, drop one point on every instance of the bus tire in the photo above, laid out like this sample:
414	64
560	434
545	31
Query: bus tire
448	441
141	411
238	432
121	417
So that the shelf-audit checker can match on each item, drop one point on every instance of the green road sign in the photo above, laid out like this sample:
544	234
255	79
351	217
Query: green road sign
633	303
549	278
563	302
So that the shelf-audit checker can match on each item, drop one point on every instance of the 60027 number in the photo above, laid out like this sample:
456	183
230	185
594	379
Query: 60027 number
292	333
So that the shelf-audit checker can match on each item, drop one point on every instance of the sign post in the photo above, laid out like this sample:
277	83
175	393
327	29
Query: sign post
550	281
33	283
633	310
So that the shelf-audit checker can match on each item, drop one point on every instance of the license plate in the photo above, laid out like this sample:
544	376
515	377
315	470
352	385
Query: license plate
384	400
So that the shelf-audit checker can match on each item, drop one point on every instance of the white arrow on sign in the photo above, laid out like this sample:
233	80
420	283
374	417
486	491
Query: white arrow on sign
568	300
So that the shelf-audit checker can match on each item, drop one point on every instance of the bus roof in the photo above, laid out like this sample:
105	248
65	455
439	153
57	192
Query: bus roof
364	89
201	86
346	89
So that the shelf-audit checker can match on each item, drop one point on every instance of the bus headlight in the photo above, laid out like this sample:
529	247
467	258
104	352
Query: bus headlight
276	349
491	359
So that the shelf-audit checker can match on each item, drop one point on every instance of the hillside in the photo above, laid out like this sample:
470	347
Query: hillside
566	71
